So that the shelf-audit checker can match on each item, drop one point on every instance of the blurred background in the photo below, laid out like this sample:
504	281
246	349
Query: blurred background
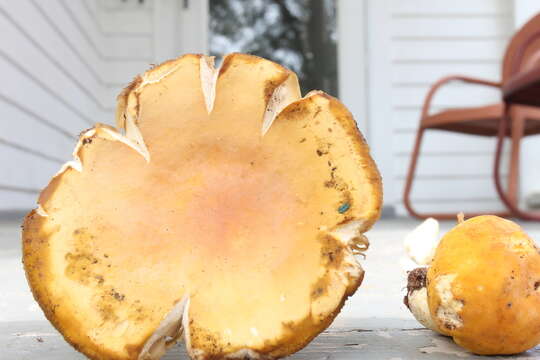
63	62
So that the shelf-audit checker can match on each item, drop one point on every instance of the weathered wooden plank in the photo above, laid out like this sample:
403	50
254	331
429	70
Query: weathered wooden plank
37	340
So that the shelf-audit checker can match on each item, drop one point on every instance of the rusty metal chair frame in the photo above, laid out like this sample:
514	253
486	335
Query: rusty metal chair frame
418	142
512	65
532	85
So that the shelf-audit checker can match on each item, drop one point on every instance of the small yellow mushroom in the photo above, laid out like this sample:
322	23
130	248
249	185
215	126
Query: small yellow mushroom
483	287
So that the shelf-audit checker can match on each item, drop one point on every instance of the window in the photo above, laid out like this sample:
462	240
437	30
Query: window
299	34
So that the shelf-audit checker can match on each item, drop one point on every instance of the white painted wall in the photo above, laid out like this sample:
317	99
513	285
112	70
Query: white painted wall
411	44
63	63
352	59
48	95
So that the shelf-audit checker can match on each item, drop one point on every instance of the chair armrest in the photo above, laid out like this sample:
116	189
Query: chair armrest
448	79
475	81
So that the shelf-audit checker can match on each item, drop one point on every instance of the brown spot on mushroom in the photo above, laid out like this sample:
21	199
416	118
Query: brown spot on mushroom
106	311
319	109
82	266
416	280
323	148
213	349
330	183
269	88
449	325
117	295
296	112
332	251
319	288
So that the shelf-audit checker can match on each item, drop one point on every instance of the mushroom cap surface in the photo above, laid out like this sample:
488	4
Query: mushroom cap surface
484	287
226	209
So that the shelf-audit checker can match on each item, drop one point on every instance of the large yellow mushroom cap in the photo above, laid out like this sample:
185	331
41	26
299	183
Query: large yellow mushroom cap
484	287
228	211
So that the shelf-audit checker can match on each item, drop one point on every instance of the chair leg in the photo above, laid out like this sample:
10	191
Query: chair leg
512	206
409	182
411	173
518	125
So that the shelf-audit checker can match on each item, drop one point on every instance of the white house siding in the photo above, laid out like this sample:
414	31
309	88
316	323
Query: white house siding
62	63
428	40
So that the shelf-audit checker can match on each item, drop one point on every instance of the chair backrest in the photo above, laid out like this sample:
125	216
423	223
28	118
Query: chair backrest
523	49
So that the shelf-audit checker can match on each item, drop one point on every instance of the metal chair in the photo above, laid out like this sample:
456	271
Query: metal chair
490	120
521	89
